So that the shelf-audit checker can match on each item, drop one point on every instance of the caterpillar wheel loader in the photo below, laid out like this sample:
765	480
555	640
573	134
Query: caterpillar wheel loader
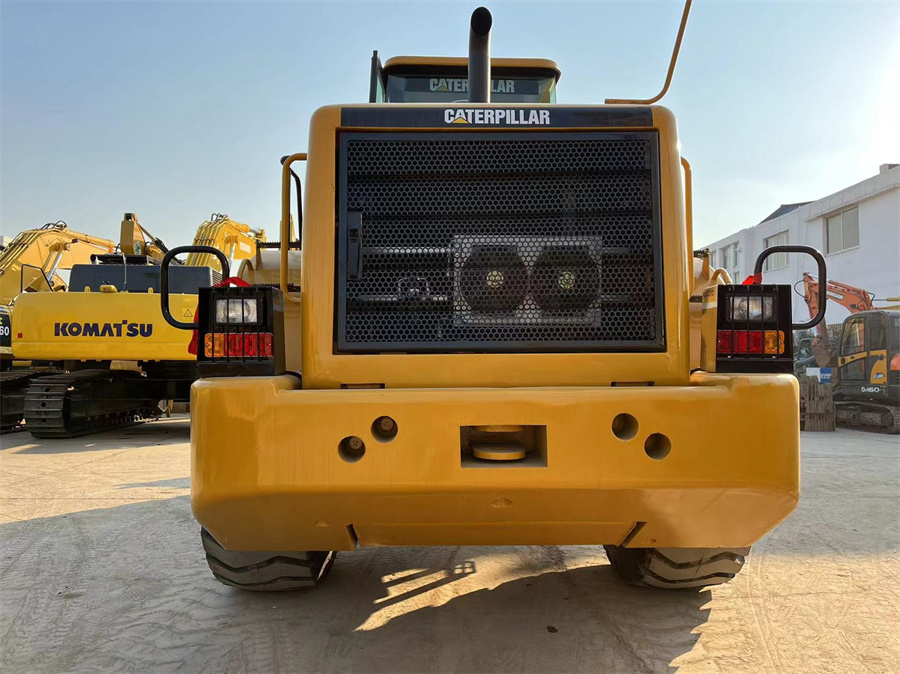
117	357
501	335
34	262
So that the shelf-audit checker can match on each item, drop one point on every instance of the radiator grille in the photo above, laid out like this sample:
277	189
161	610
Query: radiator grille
499	242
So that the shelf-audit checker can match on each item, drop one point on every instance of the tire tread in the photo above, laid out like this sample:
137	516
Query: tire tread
274	571
676	568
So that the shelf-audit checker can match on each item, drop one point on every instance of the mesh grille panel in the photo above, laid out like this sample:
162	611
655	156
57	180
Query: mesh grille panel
499	242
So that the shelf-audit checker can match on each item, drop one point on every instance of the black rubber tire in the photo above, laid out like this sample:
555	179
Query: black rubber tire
266	571
676	568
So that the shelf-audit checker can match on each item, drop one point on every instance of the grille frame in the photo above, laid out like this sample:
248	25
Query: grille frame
343	346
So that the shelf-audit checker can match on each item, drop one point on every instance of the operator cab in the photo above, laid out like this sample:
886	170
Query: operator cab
417	79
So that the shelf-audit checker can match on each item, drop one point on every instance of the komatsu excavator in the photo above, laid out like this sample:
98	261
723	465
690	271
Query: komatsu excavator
33	262
117	358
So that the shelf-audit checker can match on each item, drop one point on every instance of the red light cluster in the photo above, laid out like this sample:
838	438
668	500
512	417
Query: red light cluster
750	341
238	345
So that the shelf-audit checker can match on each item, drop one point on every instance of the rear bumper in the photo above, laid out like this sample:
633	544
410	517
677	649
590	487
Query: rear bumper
267	475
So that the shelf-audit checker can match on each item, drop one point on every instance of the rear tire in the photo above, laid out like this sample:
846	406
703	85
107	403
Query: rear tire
676	568
266	571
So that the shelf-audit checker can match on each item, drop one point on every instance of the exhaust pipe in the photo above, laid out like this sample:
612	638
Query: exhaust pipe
480	56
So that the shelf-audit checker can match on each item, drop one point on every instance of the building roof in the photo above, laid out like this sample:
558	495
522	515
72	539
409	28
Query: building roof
783	210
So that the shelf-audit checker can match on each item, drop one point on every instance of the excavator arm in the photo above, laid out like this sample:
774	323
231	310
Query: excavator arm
135	240
32	260
235	239
854	299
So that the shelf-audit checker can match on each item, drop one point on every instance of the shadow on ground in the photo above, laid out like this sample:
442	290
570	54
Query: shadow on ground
128	588
164	431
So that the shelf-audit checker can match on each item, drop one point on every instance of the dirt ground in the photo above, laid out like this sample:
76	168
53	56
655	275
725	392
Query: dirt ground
101	569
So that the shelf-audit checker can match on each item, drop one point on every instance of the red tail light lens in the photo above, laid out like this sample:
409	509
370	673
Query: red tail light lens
723	341
239	345
750	342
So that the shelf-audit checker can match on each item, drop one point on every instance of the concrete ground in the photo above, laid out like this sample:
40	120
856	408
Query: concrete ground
101	569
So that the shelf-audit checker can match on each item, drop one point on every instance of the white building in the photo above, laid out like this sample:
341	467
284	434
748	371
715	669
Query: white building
858	230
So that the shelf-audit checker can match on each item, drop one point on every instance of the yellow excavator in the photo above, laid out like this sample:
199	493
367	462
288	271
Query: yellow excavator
33	262
116	357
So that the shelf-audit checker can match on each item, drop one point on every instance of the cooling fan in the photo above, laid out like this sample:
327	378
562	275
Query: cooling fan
565	279
526	280
493	279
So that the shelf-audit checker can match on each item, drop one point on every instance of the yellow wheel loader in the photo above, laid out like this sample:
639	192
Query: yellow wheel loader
500	336
34	262
118	358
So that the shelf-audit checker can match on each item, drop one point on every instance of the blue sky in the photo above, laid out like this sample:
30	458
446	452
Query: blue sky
178	110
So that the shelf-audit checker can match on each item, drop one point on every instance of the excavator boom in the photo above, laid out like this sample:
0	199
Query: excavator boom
852	298
31	262
235	239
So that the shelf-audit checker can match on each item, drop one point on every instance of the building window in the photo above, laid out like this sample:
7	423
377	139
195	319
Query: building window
842	231
729	260
778	260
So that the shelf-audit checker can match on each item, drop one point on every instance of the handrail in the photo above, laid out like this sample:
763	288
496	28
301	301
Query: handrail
648	101
164	280
823	274
286	223
689	212
721	273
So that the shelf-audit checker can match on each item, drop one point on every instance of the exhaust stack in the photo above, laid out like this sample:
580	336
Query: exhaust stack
480	56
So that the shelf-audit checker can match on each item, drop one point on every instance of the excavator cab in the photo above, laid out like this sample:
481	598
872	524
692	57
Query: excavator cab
869	369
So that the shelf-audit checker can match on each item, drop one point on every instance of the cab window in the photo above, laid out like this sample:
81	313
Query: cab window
854	340
876	331
450	89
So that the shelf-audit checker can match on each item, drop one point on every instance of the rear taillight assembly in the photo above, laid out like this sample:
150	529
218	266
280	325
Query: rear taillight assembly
754	323
754	329
769	342
240	331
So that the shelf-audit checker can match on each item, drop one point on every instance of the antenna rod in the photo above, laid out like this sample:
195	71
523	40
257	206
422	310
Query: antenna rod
648	101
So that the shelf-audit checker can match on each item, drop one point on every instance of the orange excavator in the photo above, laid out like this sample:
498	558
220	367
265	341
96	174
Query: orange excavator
866	360
852	298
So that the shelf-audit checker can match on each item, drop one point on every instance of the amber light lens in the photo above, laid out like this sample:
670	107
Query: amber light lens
774	341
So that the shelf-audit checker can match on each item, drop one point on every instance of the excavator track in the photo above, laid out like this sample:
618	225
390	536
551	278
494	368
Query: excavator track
13	385
87	401
867	416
